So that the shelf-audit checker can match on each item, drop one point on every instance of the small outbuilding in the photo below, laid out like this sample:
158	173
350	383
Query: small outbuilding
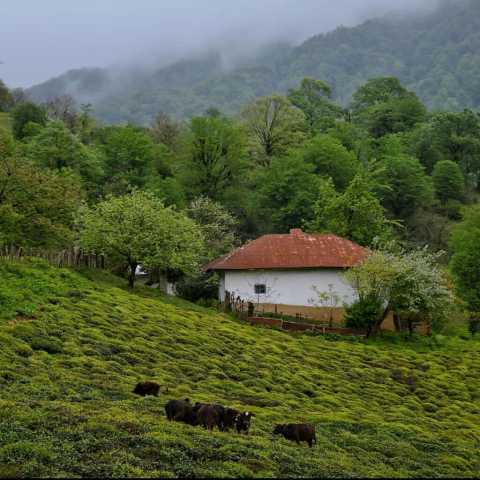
293	274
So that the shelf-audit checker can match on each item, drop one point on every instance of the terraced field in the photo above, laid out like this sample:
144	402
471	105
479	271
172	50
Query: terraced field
73	345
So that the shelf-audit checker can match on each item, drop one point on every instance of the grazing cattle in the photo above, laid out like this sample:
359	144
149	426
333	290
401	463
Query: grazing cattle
210	416
181	411
147	388
243	421
297	433
229	419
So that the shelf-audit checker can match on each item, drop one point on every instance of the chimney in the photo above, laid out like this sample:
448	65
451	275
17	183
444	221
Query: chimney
296	231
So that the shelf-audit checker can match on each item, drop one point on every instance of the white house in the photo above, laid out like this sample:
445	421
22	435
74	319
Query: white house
298	273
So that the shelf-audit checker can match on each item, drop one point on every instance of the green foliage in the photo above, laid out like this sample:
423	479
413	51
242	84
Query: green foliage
217	224
381	407
411	284
129	155
449	181
57	148
139	230
6	98
428	56
274	125
331	159
355	214
24	115
37	207
465	262
457	137
214	157
364	313
410	188
313	97
285	192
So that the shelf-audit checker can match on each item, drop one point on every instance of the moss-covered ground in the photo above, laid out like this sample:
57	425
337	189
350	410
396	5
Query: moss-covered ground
73	345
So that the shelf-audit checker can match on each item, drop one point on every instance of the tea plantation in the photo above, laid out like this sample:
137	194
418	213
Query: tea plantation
73	346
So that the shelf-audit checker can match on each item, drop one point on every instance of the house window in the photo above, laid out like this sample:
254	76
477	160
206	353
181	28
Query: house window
260	289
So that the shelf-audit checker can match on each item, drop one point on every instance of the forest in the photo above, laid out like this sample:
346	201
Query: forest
435	55
385	172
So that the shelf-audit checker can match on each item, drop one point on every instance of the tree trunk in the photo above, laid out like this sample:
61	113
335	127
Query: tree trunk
131	276
375	328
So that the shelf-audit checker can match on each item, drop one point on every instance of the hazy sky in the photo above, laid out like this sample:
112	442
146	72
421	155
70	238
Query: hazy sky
43	38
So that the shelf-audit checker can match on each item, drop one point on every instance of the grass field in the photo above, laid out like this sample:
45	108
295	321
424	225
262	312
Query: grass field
4	120
72	350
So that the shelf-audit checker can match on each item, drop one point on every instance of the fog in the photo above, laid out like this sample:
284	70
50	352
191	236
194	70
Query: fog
41	39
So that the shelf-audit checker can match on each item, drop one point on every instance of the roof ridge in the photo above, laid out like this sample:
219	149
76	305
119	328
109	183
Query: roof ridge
294	250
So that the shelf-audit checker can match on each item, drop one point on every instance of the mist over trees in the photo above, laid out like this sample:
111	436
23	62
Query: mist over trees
434	55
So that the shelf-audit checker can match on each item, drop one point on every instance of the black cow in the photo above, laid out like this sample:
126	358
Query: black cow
210	416
243	421
303	432
181	411
229	419
147	388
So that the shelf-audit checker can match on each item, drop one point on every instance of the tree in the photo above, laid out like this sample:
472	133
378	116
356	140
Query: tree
331	159
6	98
313	97
25	114
37	207
219	232
410	284
63	108
285	192
377	91
56	147
410	187
449	181
384	106
139	230
129	153
217	224
396	115
167	131
274	126
457	137
465	261
213	157
355	214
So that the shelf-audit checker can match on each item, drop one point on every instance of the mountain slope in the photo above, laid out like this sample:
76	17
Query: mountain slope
73	348
436	55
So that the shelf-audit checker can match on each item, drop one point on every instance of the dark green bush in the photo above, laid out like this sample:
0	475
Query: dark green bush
364	313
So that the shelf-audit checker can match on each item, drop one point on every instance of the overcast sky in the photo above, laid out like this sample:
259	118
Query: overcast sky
43	38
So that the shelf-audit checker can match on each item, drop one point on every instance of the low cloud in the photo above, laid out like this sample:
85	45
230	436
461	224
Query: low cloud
42	39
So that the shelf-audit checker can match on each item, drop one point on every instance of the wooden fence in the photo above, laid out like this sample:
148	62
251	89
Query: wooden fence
246	311
73	257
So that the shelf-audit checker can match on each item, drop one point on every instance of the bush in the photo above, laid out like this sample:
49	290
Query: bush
364	313
474	323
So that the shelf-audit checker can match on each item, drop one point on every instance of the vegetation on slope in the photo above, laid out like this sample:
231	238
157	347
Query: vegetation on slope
5	121
73	348
435	55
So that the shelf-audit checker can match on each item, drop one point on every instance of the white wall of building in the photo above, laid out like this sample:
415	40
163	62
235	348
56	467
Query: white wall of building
308	288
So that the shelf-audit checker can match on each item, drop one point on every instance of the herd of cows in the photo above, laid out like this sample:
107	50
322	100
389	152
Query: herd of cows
221	417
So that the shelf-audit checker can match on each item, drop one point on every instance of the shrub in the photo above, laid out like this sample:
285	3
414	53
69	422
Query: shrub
364	313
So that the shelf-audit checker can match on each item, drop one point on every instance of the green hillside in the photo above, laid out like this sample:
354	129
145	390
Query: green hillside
72	350
4	120
436	55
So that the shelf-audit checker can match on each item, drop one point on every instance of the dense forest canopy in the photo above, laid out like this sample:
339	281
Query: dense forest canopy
384	171
435	55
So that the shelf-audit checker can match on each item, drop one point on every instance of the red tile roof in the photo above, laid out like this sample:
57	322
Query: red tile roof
294	251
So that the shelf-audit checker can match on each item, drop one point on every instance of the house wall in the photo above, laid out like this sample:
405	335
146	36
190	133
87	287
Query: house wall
290	287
